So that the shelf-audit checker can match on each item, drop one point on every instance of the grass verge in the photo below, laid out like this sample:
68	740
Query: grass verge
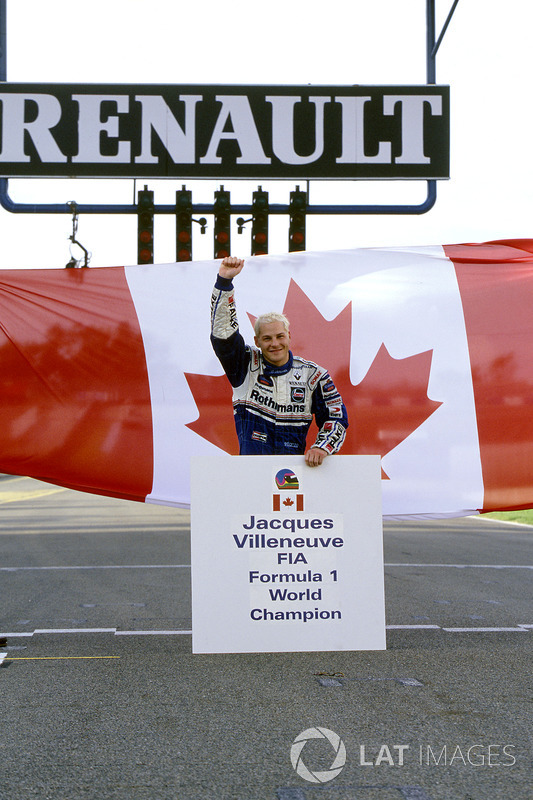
524	517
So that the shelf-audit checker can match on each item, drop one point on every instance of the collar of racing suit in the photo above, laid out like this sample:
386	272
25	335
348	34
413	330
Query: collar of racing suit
271	369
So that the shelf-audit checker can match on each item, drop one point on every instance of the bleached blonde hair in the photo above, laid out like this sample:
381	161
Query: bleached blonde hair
271	316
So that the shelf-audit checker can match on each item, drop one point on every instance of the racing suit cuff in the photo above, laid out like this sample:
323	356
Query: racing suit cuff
223	283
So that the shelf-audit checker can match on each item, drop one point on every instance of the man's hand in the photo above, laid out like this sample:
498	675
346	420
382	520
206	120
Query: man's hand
315	456
230	267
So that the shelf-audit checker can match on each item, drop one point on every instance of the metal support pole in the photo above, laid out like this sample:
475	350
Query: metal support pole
432	46
430	42
3	41
444	29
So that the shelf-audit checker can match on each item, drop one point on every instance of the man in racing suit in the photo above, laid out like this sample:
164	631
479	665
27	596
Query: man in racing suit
275	394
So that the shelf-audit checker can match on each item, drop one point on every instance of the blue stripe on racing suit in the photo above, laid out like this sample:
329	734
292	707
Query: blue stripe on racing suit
273	406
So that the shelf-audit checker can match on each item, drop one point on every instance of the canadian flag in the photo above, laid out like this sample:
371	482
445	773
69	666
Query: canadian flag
295	503
109	383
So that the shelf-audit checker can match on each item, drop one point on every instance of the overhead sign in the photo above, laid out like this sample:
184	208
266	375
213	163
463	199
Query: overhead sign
286	558
193	131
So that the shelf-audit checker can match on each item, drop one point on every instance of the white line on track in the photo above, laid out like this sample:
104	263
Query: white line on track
75	630
521	628
100	566
466	566
413	627
151	633
188	566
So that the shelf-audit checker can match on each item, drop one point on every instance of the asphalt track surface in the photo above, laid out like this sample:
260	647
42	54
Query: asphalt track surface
101	696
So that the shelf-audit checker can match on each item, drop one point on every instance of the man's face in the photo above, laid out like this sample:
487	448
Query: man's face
273	340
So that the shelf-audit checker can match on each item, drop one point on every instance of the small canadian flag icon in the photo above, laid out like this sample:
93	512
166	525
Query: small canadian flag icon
294	503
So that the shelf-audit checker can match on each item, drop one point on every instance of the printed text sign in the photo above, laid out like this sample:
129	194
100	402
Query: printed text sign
285	557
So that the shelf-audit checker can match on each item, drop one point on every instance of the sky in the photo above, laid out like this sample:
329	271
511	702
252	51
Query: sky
485	58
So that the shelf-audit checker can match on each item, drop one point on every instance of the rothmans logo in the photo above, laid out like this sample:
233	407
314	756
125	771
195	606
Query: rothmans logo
269	402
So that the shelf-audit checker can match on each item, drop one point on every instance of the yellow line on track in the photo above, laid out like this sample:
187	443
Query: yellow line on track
21	497
55	658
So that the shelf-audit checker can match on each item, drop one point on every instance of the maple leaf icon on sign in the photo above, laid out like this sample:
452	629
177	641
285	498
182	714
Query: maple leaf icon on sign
288	502
384	409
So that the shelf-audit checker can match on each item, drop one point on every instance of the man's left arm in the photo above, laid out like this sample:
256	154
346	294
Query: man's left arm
331	418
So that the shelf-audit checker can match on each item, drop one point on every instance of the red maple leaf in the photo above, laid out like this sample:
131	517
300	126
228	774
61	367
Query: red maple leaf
213	396
383	409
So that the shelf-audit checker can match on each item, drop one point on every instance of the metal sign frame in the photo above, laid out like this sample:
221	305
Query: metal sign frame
432	46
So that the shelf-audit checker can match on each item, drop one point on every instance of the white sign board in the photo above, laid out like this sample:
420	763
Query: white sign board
286	557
